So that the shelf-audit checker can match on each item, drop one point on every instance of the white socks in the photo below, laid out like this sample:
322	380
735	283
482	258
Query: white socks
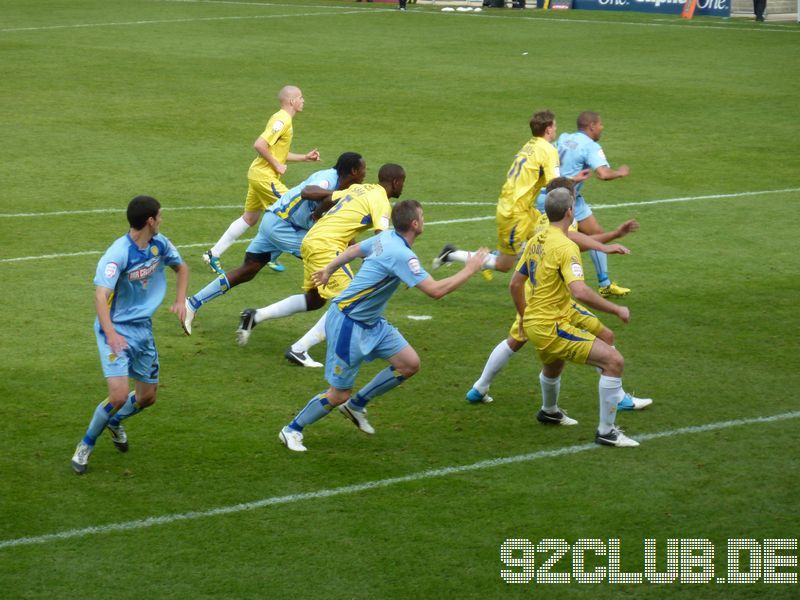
282	308
313	336
610	390
233	233
494	364
550	390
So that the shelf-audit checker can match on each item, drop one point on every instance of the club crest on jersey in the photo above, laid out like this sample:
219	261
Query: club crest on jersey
154	250
414	265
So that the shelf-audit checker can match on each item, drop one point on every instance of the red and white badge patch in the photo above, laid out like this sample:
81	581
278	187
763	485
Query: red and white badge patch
414	266
277	126
111	270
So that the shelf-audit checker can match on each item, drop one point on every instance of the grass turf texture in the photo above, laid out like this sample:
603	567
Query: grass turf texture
165	98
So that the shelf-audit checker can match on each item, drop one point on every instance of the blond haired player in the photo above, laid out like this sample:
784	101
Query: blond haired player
264	185
356	209
534	166
560	327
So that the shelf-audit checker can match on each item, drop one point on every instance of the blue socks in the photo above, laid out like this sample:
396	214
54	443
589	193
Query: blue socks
99	421
215	289
316	408
105	415
380	384
600	260
130	408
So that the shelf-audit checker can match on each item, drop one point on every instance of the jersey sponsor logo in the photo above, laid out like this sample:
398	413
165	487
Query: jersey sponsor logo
111	270
143	272
413	264
277	126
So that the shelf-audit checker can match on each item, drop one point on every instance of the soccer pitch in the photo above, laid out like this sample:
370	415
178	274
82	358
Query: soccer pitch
104	100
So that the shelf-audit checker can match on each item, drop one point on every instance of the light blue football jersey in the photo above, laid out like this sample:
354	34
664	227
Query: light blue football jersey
577	151
136	277
390	261
296	211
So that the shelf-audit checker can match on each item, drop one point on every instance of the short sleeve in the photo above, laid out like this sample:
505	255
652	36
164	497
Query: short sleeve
410	270
569	263
595	157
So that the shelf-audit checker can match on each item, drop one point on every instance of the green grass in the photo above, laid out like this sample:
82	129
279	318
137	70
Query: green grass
165	98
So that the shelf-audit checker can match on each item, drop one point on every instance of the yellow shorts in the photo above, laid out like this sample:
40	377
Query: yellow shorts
316	259
262	193
512	233
569	339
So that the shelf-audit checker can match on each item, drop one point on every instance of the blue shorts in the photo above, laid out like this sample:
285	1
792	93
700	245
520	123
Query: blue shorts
139	361
351	343
275	236
582	208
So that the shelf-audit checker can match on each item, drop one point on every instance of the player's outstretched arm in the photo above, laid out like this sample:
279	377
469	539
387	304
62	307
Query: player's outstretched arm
586	295
353	252
591	242
438	289
607	174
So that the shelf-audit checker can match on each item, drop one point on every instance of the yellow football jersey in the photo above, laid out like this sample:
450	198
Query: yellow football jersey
278	134
551	262
360	207
534	165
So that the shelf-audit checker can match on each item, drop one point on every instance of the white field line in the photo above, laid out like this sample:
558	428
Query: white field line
428	223
196	19
60	213
376	484
762	29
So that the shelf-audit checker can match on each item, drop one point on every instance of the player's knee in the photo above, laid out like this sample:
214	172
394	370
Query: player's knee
313	300
616	362
250	218
514	344
607	336
408	370
337	397
146	399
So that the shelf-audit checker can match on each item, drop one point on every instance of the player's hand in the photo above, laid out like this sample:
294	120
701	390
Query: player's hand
312	156
582	176
616	249
475	262
627	227
179	308
624	314
521	331
118	343
320	278
624	170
